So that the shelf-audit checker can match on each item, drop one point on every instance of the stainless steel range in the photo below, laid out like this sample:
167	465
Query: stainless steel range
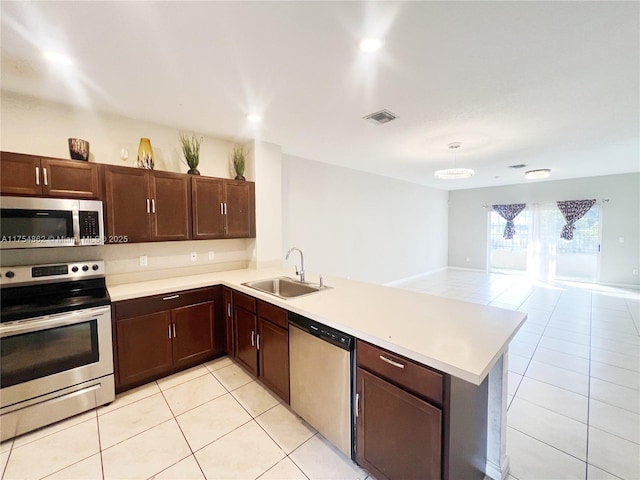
55	344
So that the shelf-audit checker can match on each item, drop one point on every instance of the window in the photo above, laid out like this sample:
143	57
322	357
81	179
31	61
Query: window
537	249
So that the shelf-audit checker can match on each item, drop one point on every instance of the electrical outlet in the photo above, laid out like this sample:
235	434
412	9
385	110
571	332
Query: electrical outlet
212	255
194	256
635	271
143	261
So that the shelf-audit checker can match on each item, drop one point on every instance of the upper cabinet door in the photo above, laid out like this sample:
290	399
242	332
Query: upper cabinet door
67	178
170	206
128	204
240	209
206	203
20	174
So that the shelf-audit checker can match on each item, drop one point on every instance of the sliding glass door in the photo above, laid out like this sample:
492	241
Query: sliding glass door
537	249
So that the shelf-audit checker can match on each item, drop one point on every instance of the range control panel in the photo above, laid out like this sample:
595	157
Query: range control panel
331	335
59	272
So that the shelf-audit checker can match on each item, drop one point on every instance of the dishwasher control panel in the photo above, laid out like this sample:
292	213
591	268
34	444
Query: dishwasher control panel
331	335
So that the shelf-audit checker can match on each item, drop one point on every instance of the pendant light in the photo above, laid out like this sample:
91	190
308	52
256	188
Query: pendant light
455	172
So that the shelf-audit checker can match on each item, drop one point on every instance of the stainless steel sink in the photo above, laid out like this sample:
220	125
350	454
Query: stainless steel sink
284	287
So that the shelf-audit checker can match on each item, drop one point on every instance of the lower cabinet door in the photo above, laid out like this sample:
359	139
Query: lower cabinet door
399	435
245	338
193	335
274	358
144	347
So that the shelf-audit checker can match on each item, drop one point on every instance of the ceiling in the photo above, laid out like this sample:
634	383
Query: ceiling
547	84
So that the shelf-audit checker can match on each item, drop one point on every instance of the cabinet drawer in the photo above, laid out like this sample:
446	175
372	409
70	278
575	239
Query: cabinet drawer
158	303
244	301
272	313
401	371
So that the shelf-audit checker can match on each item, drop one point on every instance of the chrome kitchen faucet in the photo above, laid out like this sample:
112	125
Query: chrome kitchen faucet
301	272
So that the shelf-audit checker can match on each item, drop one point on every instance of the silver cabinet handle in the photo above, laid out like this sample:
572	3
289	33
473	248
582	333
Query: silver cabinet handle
44	172
148	206
391	362
37	175
169	331
357	406
229	310
253	334
258	341
153	205
174	331
221	208
225	208
170	297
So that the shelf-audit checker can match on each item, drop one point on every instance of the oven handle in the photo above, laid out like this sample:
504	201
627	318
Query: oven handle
19	327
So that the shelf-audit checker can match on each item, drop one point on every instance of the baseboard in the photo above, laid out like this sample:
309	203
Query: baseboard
466	269
497	472
413	277
632	286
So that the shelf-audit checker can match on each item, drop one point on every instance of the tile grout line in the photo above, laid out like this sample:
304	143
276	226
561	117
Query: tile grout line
586	472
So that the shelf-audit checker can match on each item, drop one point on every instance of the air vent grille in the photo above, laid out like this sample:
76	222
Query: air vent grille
383	116
520	165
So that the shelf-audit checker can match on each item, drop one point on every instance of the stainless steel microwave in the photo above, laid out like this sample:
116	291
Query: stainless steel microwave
28	222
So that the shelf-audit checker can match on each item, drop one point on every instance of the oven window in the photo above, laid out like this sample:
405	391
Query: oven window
37	354
54	224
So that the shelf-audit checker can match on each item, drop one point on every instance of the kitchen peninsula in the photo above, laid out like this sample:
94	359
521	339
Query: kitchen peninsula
466	341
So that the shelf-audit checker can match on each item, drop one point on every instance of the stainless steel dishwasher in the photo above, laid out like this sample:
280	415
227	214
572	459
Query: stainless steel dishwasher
320	363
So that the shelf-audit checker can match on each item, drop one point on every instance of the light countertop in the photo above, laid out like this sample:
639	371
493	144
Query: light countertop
460	338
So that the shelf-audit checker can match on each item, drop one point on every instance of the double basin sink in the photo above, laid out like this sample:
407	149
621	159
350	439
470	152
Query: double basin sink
285	287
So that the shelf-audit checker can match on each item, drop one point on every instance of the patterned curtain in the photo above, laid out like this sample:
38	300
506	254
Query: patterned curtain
509	212
573	210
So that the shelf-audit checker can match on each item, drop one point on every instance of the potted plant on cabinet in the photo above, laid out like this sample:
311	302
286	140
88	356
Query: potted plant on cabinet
239	156
191	151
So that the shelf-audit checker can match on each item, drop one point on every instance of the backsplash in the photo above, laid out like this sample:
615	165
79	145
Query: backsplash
164	259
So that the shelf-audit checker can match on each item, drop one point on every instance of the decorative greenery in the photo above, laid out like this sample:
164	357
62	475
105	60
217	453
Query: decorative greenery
239	159
191	149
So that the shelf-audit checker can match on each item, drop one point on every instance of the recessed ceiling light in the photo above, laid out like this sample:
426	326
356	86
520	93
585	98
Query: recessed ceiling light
369	45
537	174
57	57
254	117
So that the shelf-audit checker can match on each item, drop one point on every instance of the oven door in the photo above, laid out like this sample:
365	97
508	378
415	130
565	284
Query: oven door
49	353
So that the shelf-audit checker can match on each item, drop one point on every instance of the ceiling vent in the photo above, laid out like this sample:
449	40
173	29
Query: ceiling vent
520	165
383	116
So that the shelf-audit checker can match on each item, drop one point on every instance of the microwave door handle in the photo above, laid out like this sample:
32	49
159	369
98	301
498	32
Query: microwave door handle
76	226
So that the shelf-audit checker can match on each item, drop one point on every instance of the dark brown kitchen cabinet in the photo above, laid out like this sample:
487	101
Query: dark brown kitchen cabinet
388	412
162	334
143	205
414	422
222	208
144	347
22	174
261	334
273	349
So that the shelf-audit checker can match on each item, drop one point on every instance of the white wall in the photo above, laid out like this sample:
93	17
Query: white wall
42	128
361	225
620	218
268	169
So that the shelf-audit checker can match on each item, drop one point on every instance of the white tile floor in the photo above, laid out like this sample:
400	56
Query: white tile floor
574	373
212	421
574	404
